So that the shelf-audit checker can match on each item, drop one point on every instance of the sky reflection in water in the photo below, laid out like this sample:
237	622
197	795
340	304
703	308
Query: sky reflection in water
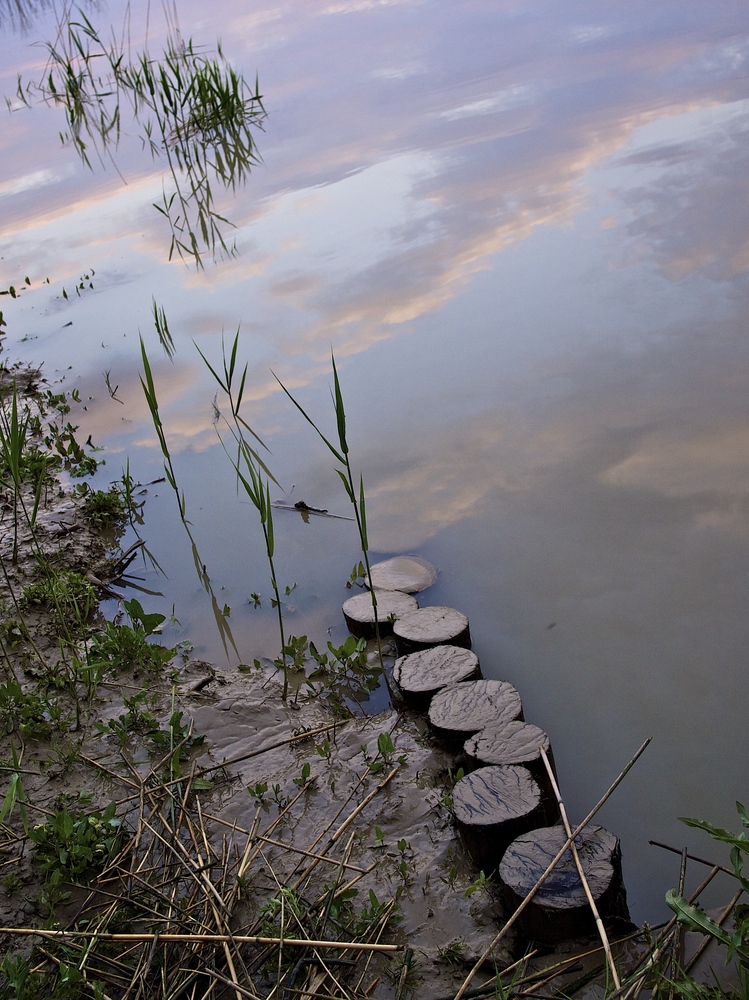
523	230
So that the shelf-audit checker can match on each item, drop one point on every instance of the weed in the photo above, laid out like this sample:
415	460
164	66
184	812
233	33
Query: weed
358	576
694	917
303	778
106	508
452	953
121	647
354	491
25	712
176	735
258	790
68	593
137	720
73	846
13	633
479	884
451	878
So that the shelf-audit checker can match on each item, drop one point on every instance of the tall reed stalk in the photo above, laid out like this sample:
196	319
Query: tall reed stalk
353	492
149	390
247	466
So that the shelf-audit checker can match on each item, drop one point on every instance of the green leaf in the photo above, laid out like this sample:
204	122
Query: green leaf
340	411
696	919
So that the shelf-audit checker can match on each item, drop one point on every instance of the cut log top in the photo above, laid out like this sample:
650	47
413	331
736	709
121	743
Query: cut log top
407	573
508	743
431	669
528	857
431	627
495	795
463	709
391	604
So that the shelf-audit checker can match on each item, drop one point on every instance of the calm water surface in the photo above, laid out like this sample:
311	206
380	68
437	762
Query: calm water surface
522	227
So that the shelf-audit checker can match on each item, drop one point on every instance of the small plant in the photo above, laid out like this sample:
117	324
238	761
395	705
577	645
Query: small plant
68	593
258	790
452	953
451	879
21	711
303	778
73	846
176	734
106	508
358	576
122	647
137	720
479	884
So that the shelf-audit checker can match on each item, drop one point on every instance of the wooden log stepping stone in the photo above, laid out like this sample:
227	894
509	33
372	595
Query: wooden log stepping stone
407	573
560	909
461	710
391	604
493	806
419	676
432	626
512	743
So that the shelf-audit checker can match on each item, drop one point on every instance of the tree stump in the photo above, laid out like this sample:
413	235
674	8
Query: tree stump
431	627
407	573
419	676
391	604
461	710
560	909
493	806
512	743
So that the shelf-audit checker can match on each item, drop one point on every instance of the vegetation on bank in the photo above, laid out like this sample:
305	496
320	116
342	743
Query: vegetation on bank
122	877
139	881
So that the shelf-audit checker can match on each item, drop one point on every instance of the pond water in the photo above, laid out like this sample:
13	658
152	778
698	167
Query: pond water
522	229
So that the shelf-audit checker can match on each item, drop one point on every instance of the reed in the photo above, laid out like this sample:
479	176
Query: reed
191	109
354	491
252	473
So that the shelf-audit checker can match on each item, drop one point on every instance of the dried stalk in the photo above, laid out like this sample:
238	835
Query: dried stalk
578	864
498	937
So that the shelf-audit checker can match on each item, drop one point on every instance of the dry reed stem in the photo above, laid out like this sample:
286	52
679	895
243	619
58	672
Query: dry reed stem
498	937
635	980
202	939
578	864
309	854
347	822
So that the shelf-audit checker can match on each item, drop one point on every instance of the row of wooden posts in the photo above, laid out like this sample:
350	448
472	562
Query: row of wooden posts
505	805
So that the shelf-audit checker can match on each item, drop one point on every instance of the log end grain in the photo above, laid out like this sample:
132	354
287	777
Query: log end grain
419	676
459	711
407	573
432	626
560	909
391	605
512	743
493	806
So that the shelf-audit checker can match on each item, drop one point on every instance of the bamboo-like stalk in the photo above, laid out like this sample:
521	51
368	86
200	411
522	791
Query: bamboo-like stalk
578	864
555	861
348	821
202	939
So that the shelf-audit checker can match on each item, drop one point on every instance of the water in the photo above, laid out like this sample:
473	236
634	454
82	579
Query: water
522	229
